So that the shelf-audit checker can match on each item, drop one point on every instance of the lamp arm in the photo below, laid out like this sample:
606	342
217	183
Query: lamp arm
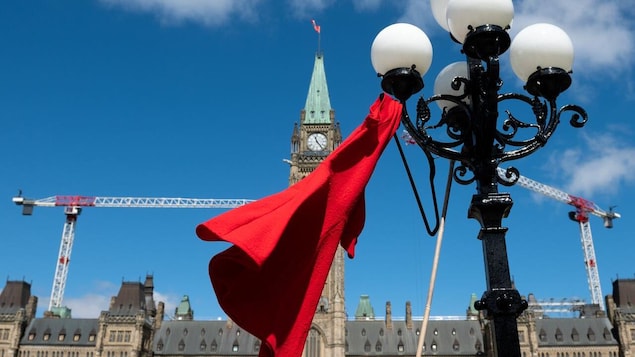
545	129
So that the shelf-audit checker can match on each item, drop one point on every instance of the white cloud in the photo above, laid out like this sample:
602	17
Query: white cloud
308	8
419	13
205	12
602	31
90	306
367	5
603	165
170	301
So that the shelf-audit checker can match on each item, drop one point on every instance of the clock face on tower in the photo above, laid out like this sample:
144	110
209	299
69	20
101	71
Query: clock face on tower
316	142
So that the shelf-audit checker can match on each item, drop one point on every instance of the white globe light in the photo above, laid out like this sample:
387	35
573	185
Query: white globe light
443	82
439	9
474	13
540	45
401	45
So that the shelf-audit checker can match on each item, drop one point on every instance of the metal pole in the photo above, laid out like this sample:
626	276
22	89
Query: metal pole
501	301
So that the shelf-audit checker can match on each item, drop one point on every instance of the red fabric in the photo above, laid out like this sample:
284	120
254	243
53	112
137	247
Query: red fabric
270	281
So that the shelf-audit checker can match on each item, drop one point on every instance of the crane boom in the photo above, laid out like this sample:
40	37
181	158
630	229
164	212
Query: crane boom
583	208
72	208
138	202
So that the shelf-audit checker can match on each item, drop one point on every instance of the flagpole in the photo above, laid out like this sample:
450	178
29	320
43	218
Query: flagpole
318	29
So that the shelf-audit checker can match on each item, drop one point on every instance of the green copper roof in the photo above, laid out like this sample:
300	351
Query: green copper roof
184	307
471	310
318	105
364	308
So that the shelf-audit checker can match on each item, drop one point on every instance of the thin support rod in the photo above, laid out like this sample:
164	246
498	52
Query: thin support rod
435	262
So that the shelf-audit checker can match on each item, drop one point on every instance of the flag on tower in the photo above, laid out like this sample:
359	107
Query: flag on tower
316	27
270	280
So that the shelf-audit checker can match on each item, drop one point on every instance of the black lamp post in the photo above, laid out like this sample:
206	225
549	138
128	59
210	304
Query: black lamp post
470	130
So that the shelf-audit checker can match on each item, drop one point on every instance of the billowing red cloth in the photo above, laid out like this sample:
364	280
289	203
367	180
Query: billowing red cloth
270	281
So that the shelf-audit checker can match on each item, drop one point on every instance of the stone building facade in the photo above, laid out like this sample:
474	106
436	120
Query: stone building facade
133	327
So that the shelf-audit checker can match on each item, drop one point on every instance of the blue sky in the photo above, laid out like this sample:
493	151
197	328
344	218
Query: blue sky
171	98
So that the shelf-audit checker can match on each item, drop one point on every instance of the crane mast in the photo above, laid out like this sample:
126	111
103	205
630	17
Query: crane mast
73	207
583	208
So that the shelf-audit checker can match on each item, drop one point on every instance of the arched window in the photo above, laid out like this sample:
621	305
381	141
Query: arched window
313	345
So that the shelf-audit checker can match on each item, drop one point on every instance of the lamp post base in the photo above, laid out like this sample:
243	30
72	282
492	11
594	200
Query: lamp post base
501	302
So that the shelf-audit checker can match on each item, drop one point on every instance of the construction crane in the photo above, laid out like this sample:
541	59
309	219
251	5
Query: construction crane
72	208
583	208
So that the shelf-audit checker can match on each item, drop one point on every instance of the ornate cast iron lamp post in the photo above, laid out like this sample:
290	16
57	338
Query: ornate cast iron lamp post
470	130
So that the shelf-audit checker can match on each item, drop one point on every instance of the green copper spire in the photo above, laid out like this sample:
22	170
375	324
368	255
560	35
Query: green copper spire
318	105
